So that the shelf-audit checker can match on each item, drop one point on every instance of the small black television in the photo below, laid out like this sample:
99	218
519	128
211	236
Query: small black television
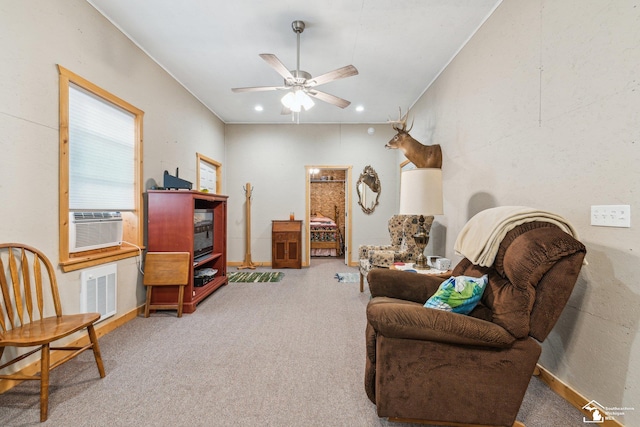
202	232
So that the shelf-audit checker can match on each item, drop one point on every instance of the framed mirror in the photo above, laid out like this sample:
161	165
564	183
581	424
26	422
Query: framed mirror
368	188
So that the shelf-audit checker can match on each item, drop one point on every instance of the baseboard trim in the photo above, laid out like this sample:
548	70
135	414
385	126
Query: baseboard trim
101	330
239	263
570	395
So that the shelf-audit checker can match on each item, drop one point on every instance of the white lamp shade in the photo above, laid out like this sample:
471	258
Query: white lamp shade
304	100
289	101
421	192
297	100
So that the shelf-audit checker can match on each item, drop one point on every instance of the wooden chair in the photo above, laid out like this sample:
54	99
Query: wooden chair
26	295
166	269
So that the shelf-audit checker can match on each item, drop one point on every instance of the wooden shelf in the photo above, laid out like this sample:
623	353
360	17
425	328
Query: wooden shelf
205	259
200	292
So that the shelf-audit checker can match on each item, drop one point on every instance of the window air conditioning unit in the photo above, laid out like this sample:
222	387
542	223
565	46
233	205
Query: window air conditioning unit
94	230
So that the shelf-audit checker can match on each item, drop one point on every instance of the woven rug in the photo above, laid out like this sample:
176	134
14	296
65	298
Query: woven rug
348	277
246	277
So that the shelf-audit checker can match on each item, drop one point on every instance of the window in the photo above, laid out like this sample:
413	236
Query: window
209	174
101	154
100	167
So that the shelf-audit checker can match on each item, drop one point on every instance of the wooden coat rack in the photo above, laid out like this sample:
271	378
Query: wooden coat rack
247	263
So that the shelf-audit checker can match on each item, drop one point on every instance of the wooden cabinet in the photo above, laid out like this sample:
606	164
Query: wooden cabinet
194	222
286	244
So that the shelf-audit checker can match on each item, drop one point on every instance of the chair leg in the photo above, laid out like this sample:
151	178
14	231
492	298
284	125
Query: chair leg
148	303
180	299
44	382
361	282
96	349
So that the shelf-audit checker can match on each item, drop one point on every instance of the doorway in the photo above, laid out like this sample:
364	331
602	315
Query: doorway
328	212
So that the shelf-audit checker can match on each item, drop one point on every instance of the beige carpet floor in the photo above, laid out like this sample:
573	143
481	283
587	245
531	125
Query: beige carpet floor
289	353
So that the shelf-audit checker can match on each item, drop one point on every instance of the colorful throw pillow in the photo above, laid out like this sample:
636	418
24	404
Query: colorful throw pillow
458	294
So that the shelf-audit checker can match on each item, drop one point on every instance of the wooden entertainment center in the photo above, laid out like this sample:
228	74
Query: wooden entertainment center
172	228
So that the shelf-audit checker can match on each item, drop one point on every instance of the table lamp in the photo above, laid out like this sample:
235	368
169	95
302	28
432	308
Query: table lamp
421	194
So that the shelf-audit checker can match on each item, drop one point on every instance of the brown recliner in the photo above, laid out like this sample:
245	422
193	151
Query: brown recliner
443	367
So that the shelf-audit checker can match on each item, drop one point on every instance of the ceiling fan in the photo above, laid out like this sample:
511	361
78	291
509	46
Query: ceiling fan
300	84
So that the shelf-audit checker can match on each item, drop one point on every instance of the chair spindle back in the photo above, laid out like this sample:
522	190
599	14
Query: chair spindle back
23	285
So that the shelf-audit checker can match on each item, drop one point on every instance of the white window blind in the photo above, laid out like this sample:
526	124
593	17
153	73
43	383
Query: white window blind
101	154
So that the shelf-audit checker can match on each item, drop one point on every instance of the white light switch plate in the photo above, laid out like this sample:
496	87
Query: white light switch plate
611	215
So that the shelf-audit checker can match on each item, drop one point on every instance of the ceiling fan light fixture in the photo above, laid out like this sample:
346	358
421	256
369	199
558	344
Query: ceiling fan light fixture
300	84
297	100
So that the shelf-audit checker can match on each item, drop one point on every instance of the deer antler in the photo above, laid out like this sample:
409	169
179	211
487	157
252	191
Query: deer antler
402	121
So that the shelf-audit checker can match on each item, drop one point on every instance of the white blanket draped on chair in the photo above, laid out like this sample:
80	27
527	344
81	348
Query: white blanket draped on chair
480	238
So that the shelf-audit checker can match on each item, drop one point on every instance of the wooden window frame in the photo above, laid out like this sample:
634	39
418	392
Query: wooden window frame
201	158
132	220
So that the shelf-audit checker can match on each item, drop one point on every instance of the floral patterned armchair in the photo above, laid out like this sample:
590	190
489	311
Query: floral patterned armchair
402	248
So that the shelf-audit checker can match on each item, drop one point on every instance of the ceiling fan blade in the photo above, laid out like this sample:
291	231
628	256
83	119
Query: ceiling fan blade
257	88
277	65
331	99
340	73
285	111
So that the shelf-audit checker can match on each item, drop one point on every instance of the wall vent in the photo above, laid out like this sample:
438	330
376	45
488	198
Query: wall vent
94	230
98	290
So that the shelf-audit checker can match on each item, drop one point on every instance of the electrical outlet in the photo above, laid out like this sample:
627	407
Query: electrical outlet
611	216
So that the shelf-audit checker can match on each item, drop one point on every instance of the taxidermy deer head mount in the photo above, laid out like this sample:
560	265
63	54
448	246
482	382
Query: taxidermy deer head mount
423	156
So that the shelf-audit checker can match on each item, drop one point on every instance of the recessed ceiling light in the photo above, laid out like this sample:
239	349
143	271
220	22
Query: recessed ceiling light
258	108
359	108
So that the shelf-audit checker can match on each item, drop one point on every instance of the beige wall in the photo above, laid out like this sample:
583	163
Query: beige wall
273	158
542	108
35	35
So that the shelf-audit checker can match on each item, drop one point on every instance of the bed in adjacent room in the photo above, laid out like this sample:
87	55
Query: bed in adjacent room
326	239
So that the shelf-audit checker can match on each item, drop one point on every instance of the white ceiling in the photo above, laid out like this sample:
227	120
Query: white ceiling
210	46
